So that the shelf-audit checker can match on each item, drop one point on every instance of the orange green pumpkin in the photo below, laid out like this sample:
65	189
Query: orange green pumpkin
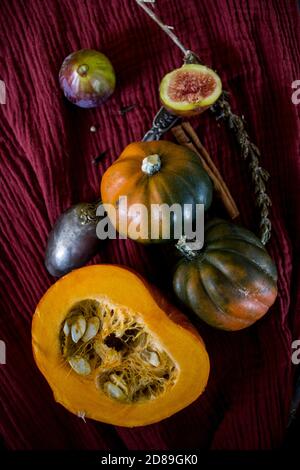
231	282
155	173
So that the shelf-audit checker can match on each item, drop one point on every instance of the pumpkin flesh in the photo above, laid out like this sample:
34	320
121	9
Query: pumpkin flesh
145	363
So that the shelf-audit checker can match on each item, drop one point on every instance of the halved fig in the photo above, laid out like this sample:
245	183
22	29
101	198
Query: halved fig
190	89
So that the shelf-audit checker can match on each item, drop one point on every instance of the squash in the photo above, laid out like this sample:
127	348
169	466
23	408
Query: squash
149	173
231	282
114	350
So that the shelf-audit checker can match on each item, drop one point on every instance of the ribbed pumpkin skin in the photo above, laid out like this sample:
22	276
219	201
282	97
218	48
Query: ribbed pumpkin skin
181	179
232	282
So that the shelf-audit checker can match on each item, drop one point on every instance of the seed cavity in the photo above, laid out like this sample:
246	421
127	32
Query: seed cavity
191	87
112	344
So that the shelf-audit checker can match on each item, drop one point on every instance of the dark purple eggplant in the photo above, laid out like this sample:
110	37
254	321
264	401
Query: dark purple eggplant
73	240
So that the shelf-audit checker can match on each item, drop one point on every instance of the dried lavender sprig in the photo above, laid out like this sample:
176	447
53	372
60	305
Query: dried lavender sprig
222	110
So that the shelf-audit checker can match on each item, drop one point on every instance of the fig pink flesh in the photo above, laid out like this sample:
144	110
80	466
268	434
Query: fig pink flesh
190	86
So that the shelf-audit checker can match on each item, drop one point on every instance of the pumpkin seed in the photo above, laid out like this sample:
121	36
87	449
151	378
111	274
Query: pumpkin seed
114	391
80	365
141	340
66	329
151	357
119	382
78	329
91	329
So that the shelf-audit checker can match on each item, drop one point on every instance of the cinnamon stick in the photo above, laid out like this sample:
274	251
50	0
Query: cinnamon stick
207	159
185	135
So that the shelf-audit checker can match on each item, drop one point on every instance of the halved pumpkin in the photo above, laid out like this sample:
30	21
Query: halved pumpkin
114	350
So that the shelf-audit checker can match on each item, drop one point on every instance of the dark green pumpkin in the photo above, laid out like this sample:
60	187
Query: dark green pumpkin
231	282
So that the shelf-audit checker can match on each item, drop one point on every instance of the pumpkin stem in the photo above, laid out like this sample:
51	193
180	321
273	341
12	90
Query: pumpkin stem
184	248
151	164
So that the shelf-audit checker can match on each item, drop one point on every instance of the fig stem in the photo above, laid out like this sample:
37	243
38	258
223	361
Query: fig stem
83	70
151	164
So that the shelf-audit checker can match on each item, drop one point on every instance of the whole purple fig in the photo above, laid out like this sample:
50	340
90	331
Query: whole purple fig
87	78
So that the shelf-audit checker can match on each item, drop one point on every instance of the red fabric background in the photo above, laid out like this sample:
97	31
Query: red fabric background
46	165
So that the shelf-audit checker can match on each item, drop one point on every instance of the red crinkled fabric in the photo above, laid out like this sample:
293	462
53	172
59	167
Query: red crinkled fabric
46	165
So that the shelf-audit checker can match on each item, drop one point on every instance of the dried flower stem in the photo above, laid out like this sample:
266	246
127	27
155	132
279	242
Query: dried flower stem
167	29
250	152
